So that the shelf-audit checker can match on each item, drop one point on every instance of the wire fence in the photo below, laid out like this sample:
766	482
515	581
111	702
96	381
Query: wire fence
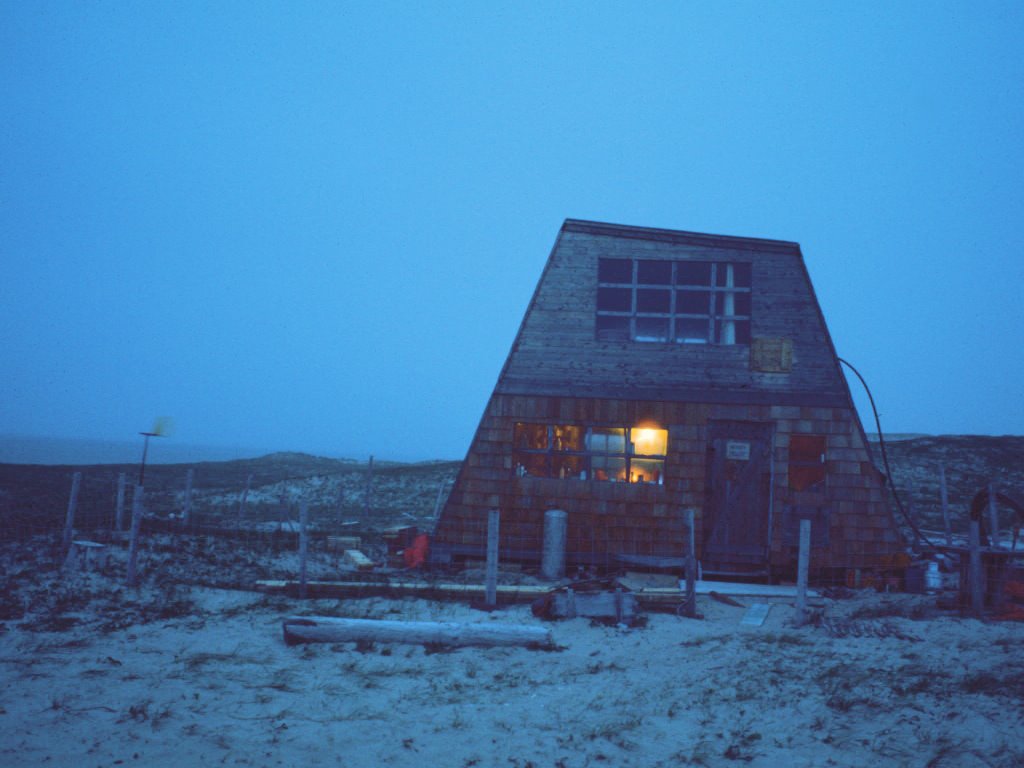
250	523
250	510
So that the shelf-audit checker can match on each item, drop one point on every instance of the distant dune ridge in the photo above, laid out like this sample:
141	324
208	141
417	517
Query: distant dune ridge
21	449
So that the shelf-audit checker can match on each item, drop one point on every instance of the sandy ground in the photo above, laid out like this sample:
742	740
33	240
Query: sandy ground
164	675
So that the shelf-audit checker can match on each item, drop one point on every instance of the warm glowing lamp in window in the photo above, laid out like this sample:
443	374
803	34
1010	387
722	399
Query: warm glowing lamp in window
648	441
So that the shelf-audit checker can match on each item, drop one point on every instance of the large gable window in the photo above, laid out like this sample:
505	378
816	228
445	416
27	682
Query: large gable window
686	302
615	454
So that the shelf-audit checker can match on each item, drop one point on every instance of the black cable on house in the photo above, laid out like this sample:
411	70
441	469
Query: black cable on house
885	457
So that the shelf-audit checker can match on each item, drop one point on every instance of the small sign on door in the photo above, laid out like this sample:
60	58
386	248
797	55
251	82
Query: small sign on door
737	450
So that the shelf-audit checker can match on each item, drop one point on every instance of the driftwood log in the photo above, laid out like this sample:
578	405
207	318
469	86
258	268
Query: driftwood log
323	629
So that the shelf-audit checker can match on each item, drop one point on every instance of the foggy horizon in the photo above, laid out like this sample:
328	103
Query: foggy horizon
49	450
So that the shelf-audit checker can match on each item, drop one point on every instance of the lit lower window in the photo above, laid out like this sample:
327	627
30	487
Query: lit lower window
614	454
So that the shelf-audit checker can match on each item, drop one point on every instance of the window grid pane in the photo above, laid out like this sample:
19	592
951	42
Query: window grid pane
615	270
710	304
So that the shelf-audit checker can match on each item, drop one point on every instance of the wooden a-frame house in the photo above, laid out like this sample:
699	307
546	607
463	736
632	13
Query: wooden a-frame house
656	372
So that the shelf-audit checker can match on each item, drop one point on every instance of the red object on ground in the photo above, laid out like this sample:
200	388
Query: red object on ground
399	538
416	553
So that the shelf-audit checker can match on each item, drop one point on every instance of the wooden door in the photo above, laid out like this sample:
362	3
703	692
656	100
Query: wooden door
737	515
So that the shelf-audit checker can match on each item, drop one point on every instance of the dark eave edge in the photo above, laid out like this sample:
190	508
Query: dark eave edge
679	236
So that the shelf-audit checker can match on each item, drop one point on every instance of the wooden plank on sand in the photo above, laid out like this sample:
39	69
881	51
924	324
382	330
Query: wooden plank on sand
705	587
335	543
357	560
437	591
756	614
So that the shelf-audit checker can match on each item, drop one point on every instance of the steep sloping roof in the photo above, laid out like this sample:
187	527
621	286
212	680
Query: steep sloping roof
557	352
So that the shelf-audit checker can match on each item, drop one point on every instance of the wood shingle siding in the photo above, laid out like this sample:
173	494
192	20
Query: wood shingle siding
559	373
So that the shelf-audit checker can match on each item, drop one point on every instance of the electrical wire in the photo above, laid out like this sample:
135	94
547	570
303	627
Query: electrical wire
885	457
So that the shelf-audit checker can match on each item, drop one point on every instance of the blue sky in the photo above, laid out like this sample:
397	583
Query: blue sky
317	226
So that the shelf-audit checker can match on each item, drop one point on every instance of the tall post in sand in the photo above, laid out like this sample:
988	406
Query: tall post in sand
133	541
284	512
552	564
341	499
491	578
440	497
912	514
303	546
691	522
119	509
993	517
368	497
186	511
244	499
803	565
975	574
690	601
69	520
944	497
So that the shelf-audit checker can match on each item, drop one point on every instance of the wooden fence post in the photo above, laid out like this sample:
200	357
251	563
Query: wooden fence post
691	522
975	574
284	512
437	502
993	517
690	601
341	499
491	582
244	499
944	496
303	546
133	542
119	509
69	520
186	511
368	497
803	565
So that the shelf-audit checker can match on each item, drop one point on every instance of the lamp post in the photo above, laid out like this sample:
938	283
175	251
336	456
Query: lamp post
159	430
145	449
